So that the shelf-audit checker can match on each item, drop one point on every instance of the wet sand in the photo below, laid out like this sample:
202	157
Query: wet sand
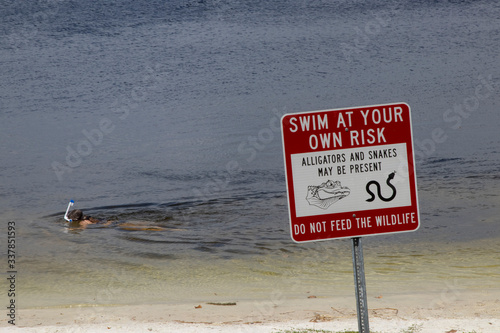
438	312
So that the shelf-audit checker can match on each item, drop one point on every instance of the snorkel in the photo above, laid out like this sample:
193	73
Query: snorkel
71	203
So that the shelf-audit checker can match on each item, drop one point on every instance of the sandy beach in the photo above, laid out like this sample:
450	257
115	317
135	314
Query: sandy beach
444	312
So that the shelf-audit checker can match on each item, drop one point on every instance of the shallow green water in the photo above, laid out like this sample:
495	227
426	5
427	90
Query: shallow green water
321	270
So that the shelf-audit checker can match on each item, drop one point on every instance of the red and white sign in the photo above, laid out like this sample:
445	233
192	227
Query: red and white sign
350	172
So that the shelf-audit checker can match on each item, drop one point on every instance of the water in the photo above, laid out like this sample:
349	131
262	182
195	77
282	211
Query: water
166	113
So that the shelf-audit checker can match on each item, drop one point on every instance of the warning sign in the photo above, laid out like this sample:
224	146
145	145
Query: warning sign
350	172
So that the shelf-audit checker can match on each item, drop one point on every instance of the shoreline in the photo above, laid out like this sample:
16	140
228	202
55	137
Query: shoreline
465	311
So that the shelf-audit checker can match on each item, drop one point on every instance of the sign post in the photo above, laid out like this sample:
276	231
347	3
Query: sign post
350	173
360	285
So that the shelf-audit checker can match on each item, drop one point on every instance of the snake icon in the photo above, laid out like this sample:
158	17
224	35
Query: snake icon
389	179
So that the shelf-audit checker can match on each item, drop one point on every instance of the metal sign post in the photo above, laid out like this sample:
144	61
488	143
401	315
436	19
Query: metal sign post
360	285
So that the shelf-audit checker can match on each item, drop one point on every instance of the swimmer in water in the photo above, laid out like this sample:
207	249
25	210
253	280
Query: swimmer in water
83	221
76	215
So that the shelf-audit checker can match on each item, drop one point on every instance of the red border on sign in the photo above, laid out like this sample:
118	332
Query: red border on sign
344	225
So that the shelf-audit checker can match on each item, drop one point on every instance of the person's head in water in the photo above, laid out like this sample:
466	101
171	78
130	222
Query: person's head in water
76	215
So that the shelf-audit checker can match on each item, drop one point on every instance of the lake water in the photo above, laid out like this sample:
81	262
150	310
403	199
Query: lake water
167	113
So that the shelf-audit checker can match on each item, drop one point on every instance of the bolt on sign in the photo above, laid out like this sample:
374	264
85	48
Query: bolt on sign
350	172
